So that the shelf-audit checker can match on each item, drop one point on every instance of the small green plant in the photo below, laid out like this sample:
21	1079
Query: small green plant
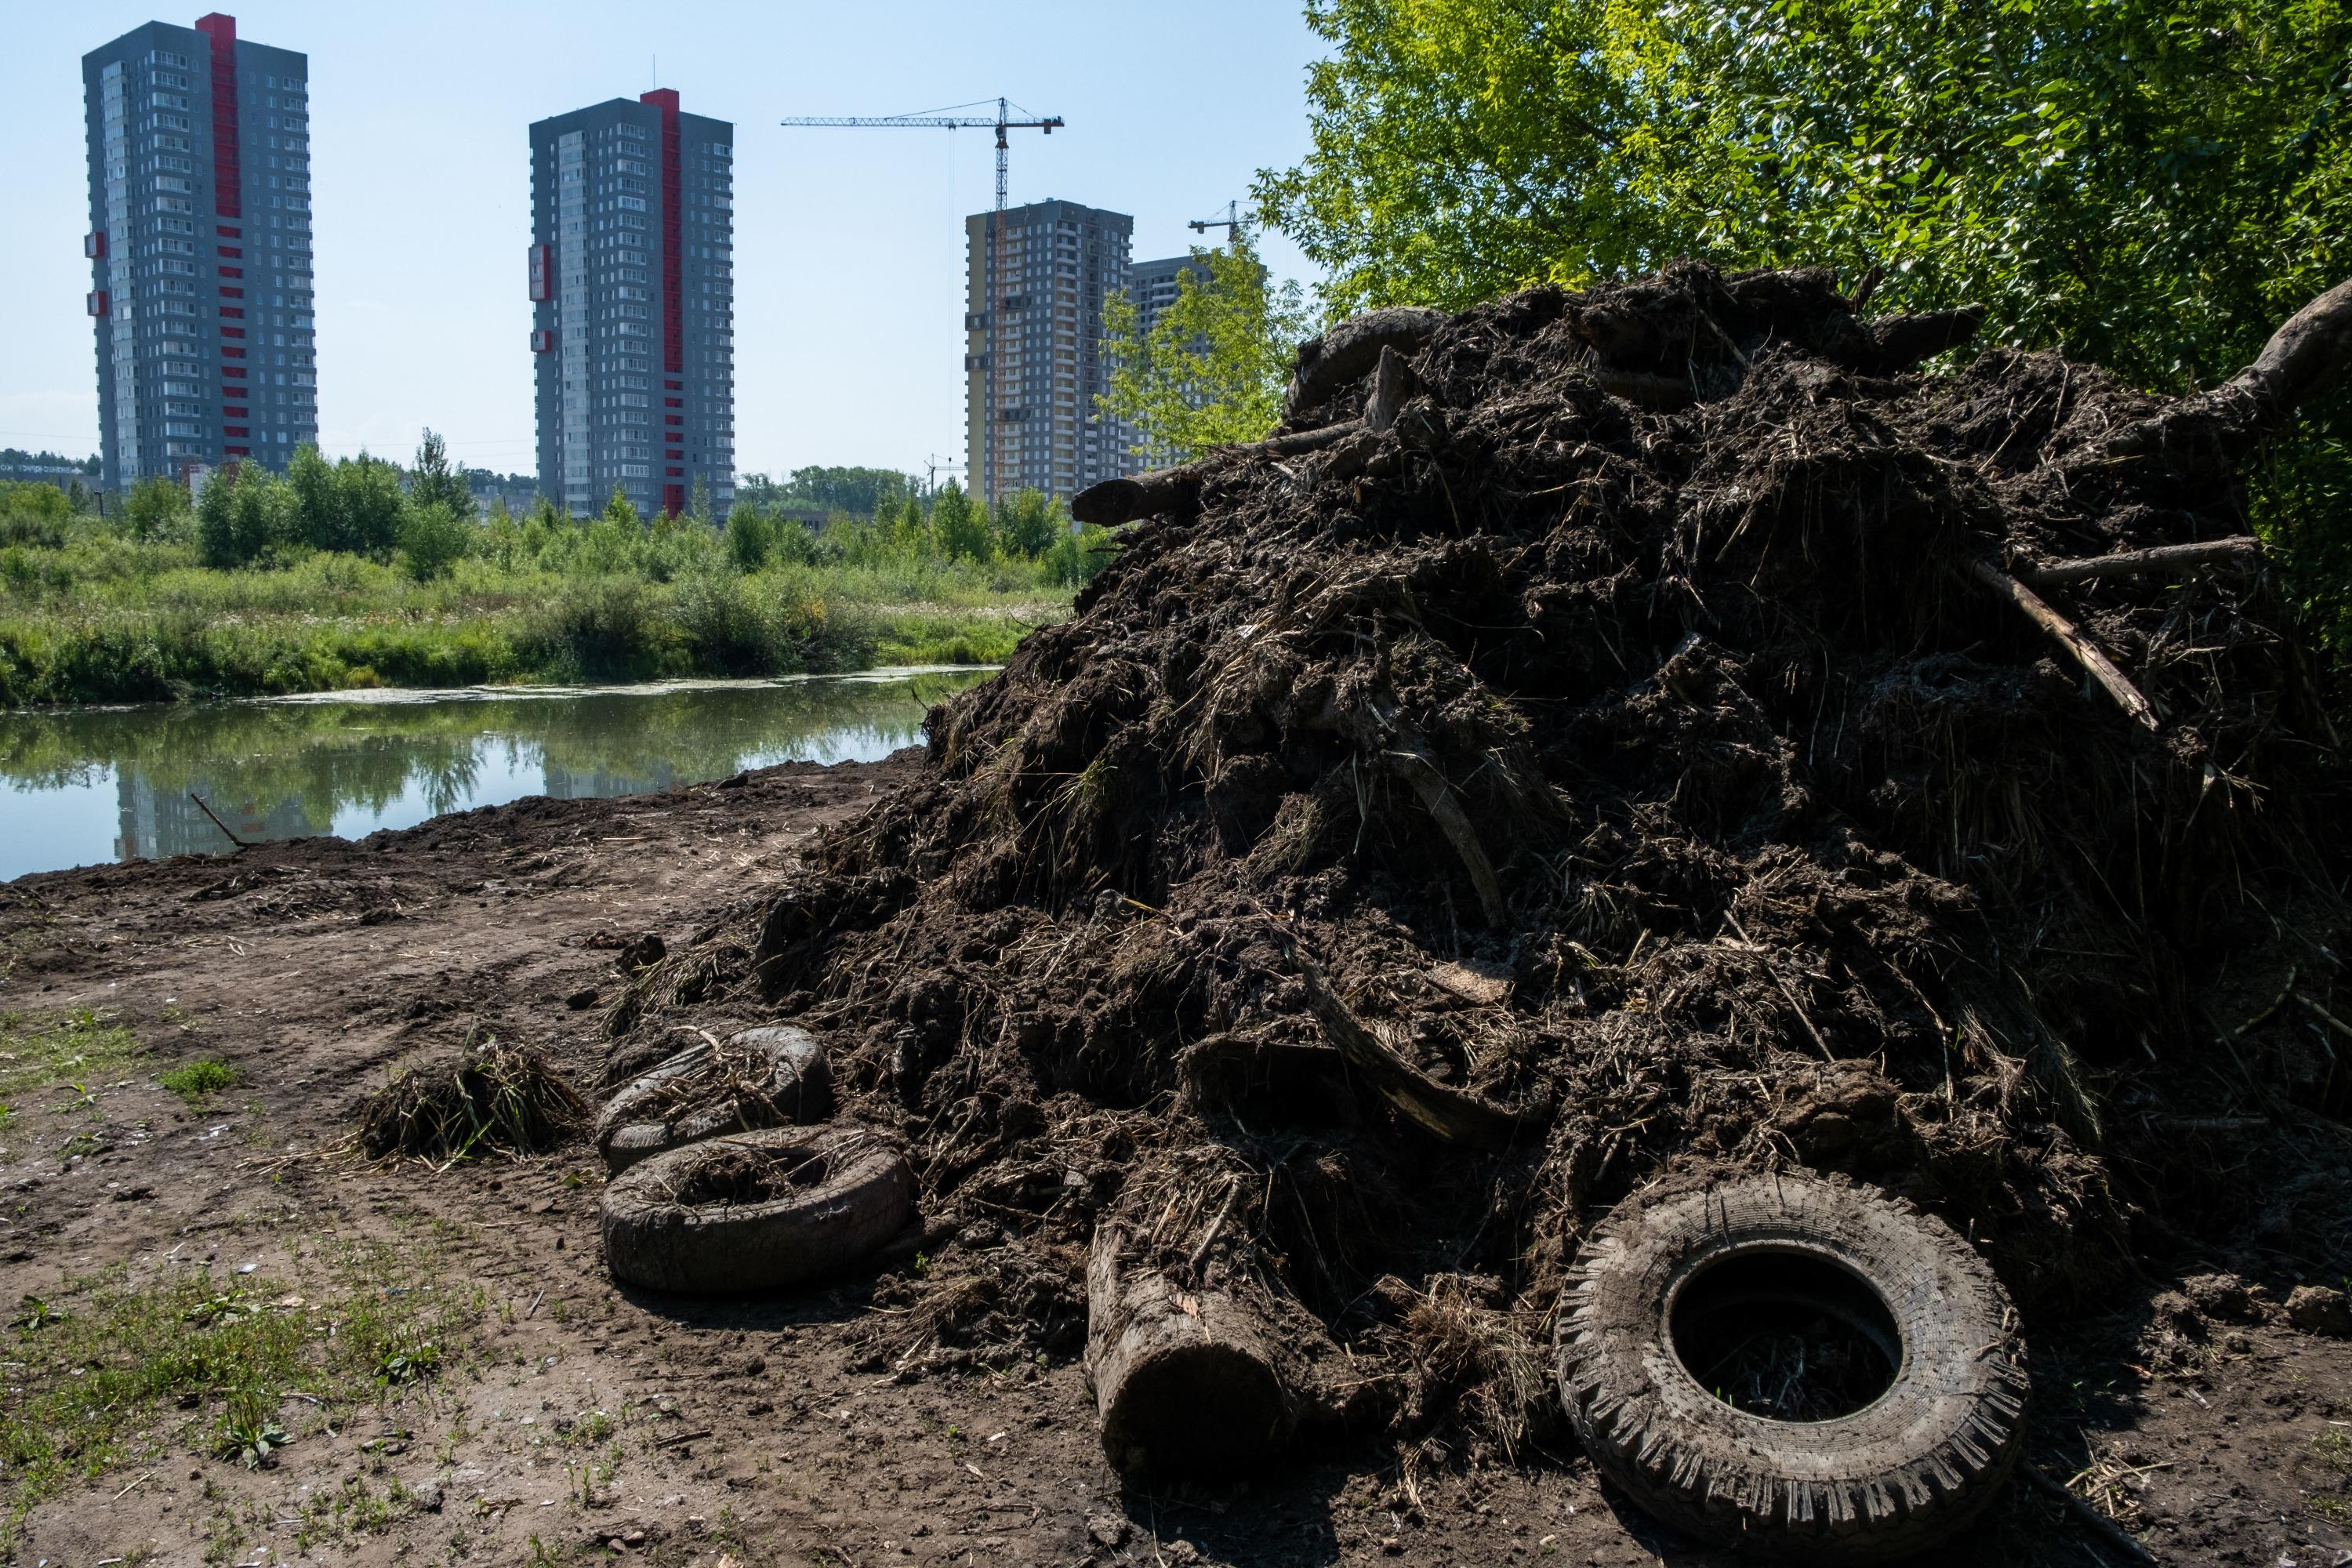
408	1362
34	1313
248	1432
198	1081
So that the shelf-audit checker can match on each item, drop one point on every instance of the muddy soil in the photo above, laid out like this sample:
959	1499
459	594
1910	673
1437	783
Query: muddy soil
796	1431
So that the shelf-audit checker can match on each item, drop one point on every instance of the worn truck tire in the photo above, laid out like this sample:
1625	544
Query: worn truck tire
753	1213
784	1083
1915	1465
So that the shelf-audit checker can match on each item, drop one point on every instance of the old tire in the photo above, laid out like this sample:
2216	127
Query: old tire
753	1212
1694	1269
780	1079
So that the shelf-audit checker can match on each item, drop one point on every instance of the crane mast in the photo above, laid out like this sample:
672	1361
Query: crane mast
992	265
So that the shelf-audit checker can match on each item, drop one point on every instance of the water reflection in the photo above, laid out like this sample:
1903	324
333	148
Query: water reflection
84	786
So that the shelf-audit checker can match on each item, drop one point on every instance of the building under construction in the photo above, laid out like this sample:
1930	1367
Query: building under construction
1054	262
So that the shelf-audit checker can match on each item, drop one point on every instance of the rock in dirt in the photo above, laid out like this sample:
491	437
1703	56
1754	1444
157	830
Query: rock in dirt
2320	1309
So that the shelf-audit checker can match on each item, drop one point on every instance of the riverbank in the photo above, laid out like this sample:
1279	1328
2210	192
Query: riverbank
107	620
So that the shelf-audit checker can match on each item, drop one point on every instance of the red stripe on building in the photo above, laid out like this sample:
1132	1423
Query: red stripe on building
673	256
228	178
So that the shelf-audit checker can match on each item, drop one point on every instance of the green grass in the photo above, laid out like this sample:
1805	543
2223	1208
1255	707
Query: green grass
95	617
108	1373
198	1081
55	1061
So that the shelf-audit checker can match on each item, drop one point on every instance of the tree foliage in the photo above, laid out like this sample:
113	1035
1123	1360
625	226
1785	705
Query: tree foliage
1212	368
2148	186
433	482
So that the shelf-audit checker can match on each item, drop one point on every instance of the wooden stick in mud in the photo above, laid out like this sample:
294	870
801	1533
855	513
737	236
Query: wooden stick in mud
2096	665
2141	562
208	811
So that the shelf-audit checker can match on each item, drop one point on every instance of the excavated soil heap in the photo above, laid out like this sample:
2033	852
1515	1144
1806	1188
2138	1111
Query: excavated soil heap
1628	738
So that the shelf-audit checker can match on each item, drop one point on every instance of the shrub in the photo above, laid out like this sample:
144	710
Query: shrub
433	539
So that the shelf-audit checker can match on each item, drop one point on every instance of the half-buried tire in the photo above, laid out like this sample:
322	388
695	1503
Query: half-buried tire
1793	1366
772	1077
753	1212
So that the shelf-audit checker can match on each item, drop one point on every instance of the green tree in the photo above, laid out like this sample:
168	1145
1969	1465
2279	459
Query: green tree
862	491
1027	523
370	506
620	512
910	531
317	499
697	504
245	516
156	508
433	539
2150	187
748	536
1212	368
962	527
433	482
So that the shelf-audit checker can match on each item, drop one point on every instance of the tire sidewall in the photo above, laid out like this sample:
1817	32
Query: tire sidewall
1913	1466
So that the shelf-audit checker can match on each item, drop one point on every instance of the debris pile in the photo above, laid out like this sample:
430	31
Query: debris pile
1655	728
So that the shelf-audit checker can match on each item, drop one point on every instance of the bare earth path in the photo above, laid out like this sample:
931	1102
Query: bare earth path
578	1423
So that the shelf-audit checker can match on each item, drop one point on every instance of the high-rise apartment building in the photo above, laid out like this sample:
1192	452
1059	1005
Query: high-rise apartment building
199	247
1154	285
633	313
1037	306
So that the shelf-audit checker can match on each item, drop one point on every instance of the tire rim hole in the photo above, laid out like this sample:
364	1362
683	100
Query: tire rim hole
742	1176
1785	1335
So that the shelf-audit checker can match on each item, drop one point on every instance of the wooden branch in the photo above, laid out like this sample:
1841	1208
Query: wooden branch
2096	665
1414	764
1163	490
208	811
1450	1114
2140	562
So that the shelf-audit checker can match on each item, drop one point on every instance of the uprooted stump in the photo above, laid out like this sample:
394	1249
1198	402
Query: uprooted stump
485	1098
1184	1379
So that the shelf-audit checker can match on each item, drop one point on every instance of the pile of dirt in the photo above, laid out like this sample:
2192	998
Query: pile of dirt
1609	733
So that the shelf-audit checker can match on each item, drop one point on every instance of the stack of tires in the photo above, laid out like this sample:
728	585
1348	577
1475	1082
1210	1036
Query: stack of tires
729	1180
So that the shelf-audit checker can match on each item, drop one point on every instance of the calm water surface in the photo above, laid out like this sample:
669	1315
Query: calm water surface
82	785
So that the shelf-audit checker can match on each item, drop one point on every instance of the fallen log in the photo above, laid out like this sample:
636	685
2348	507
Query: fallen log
1349	350
1163	490
1451	1115
1184	1381
2140	562
2096	665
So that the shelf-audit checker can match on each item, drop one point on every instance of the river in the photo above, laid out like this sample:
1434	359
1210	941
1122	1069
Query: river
81	786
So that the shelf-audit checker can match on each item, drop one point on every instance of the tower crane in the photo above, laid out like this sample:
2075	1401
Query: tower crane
1231	223
992	268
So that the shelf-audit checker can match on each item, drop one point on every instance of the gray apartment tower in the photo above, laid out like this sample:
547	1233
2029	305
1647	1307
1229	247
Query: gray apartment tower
1032	316
1154	286
199	247
633	304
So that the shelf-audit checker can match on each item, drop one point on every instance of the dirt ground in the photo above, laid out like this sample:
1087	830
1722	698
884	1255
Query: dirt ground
577	1421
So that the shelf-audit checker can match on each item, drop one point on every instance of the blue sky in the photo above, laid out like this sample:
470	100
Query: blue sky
848	259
